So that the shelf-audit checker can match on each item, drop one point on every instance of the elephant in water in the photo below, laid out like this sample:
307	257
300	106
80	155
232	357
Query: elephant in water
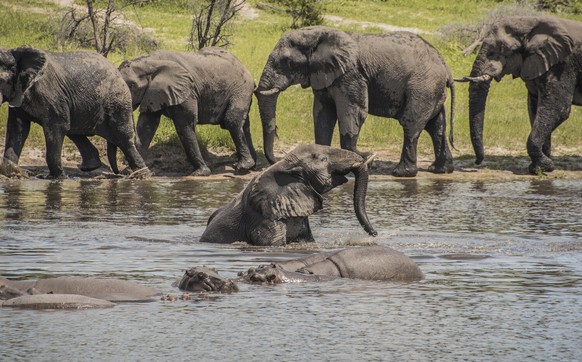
210	86
397	75
74	94
369	263
72	293
546	53
273	208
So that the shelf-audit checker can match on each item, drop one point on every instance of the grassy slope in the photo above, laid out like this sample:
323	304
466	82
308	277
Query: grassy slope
506	127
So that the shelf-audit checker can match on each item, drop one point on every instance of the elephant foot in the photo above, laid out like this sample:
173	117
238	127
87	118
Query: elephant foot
90	165
201	171
544	165
447	168
402	170
141	174
244	166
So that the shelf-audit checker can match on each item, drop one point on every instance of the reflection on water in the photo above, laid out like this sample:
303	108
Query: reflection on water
521	299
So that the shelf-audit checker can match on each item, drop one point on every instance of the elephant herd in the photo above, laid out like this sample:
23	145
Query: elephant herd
397	75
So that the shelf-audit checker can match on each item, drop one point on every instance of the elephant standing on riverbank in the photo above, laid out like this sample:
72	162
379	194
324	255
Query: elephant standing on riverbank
273	208
75	94
546	53
208	87
397	75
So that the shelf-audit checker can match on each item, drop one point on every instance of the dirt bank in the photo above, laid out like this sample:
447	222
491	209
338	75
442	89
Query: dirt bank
170	161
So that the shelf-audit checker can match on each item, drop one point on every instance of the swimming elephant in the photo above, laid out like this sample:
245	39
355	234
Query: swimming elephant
369	263
273	208
72	292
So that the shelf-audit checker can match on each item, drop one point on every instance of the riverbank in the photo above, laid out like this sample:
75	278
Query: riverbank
170	161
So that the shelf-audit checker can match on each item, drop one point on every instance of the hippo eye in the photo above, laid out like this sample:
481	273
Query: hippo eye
201	275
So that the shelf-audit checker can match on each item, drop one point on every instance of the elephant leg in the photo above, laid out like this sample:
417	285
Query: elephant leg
147	125
298	230
54	137
117	134
89	153
324	117
407	165
269	232
437	128
239	135
532	107
553	107
17	131
185	128
352	110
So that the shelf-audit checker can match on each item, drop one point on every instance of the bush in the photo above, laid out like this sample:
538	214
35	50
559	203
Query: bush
303	12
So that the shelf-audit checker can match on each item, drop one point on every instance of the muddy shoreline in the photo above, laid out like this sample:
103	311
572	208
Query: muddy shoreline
171	162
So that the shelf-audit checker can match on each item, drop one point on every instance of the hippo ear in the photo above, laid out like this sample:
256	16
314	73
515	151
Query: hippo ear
281	193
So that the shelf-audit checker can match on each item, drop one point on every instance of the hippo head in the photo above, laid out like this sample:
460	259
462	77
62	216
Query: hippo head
265	274
204	279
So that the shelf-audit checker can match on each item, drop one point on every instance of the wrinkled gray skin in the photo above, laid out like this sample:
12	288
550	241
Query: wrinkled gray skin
75	94
208	87
204	279
546	53
369	263
397	75
72	292
273	208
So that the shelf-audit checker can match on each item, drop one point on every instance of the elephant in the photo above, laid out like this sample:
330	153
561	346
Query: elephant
397	75
75	94
376	262
546	53
208	87
72	292
274	206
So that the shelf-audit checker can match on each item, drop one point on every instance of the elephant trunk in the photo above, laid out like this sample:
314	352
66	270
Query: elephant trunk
267	100
360	191
478	91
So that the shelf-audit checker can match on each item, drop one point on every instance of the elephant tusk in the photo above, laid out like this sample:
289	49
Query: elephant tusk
483	78
269	92
370	159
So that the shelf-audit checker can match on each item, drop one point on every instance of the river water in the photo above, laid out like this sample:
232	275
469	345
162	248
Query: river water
502	264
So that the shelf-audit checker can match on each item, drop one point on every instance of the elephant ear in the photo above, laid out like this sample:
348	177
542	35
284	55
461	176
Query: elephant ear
30	64
170	85
335	54
283	194
546	45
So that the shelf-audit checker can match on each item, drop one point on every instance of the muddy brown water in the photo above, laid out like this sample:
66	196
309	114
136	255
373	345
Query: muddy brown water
502	260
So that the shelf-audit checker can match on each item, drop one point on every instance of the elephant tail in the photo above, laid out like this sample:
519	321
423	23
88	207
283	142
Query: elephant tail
451	86
112	156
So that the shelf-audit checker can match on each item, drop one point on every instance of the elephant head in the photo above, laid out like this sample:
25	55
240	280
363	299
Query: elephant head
156	83
313	57
525	47
294	185
19	69
204	279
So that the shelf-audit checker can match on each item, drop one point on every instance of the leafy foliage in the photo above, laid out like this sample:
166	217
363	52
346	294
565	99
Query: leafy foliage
303	12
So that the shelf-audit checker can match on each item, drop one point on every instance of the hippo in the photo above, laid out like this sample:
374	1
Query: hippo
380	263
72	293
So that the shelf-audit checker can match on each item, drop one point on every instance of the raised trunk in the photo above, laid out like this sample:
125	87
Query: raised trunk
360	191
478	92
268	113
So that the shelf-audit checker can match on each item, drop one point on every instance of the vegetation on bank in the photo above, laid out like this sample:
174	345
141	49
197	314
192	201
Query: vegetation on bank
257	31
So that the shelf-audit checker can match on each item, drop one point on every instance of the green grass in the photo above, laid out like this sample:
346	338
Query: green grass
506	126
